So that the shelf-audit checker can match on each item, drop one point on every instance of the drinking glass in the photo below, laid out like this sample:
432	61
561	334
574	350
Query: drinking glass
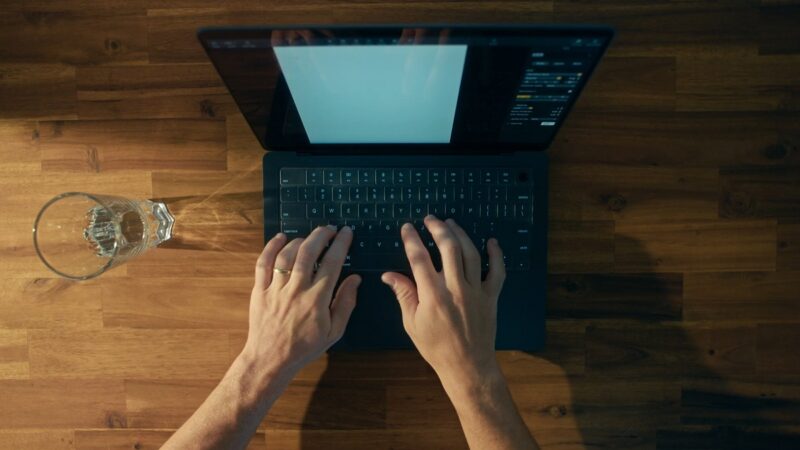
80	236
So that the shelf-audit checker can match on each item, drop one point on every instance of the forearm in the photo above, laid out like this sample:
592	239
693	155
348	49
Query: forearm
488	414
232	412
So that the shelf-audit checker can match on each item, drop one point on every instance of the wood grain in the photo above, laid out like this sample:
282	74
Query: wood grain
673	245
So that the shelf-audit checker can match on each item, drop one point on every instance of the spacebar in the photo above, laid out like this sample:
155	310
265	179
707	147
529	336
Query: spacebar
379	262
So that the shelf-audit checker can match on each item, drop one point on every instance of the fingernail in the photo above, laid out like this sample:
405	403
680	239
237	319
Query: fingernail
347	229
450	221
331	227
430	216
494	241
280	236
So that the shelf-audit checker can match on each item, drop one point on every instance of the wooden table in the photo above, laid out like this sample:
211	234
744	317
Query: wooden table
674	286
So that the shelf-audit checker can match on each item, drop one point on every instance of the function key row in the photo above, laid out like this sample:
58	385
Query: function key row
401	176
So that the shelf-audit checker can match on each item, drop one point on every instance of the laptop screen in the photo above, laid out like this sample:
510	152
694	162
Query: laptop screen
455	87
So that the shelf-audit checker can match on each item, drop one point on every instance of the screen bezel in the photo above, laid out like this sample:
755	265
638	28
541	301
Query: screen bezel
514	30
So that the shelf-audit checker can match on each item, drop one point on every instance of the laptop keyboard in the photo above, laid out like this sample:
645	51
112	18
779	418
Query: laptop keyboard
376	202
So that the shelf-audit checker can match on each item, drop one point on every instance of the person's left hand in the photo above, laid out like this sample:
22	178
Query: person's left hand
294	317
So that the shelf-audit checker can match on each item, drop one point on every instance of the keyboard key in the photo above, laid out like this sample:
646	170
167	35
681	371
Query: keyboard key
419	210
288	194
454	176
427	194
519	193
331	210
402	211
313	176
436	176
375	194
341	194
295	228
322	194
410	194
305	194
479	193
504	176
461	193
471	210
489	210
388	227
522	210
444	193
293	176
293	210
366	210
383	211
498	193
419	176
330	176
488	176
349	176
472	176
437	209
401	176
358	193
383	176
366	176
452	210
314	210
393	194
505	211
350	210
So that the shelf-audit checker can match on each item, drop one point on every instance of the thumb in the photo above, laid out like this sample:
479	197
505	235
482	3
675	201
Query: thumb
343	304
406	292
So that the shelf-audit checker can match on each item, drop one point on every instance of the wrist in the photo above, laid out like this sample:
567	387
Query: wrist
471	384
259	381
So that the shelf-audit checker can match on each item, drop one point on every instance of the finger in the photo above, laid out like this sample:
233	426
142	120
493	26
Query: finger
331	265
342	306
406	293
285	260
418	257
266	261
470	255
309	254
493	283
449	247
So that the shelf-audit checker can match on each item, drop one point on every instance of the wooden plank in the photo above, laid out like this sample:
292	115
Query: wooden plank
164	403
442	439
189	354
757	83
742	296
176	303
656	351
341	405
789	245
36	91
137	439
14	354
167	184
95	403
78	37
580	247
49	303
49	439
666	28
183	262
777	29
564	354
165	91
760	192
632	193
707	246
171	32
693	139
615	296
244	151
777	351
631	84
19	153
94	146
710	401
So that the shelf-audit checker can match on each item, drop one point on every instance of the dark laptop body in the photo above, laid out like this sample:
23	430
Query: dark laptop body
515	86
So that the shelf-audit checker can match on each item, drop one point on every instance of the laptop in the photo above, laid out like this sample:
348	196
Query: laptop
375	126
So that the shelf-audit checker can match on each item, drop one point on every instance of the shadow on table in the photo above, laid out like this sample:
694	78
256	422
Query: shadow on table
645	382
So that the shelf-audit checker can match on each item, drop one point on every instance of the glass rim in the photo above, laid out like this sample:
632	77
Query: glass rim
36	241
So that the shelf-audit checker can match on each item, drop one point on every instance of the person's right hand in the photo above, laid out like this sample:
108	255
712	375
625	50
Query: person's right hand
450	315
